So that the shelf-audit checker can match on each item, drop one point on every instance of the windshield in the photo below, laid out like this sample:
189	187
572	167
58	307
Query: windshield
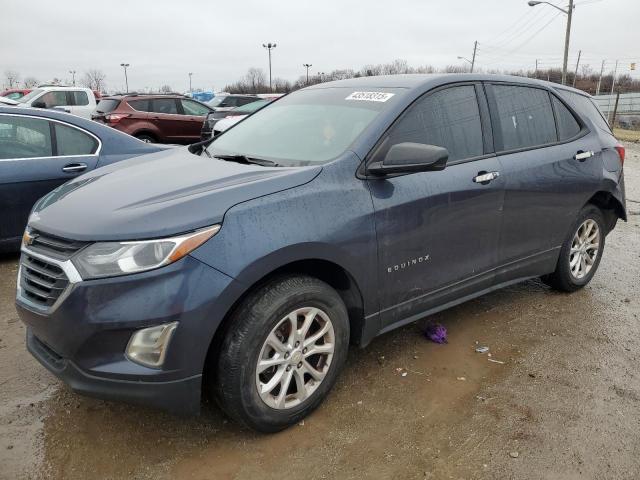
306	127
251	107
215	101
30	95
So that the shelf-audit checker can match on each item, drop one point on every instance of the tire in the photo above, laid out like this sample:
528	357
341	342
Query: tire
565	278
267	312
146	137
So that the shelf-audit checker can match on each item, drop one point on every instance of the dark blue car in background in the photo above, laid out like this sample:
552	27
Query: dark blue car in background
340	212
40	150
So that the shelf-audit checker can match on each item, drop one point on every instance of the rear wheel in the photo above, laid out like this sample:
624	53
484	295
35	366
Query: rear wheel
283	351
146	137
581	252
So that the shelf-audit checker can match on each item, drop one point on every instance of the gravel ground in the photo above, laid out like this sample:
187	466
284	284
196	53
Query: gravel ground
564	404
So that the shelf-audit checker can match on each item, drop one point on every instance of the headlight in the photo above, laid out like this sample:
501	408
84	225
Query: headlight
108	259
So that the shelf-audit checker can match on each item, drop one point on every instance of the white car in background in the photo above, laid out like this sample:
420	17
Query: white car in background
76	100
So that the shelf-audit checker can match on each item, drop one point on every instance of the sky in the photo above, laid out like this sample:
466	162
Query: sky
218	42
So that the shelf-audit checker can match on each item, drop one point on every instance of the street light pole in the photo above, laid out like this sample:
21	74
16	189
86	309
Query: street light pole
190	74
307	65
569	14
73	73
269	46
126	80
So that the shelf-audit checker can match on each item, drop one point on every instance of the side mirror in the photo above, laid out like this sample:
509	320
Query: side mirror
410	157
39	104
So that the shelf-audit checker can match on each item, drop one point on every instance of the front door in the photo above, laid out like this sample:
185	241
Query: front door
36	156
438	231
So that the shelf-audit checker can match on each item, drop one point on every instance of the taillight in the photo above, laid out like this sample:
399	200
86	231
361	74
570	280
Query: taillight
621	152
116	117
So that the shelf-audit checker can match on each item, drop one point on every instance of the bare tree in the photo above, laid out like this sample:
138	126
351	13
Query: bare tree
166	89
94	79
12	78
30	82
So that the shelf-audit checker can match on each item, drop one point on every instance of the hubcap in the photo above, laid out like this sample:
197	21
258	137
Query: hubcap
295	358
584	249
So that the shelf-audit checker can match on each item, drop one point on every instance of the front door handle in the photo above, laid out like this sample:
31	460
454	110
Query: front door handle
582	155
74	167
485	177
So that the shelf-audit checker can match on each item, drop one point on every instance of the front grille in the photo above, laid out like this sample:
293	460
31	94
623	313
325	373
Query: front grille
41	282
57	247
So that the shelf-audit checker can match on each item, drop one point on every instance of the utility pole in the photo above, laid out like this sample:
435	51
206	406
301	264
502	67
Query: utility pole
575	75
269	46
73	73
600	78
126	80
569	14
307	66
473	59
536	68
566	43
613	84
190	89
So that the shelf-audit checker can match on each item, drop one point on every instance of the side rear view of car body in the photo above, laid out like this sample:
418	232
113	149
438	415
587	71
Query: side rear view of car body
333	215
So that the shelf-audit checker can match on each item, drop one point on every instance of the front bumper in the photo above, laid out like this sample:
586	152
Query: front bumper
83	340
177	396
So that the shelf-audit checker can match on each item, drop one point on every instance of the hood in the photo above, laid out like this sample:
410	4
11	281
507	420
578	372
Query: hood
156	195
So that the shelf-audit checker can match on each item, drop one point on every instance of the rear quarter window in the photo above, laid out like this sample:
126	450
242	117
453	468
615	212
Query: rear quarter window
586	108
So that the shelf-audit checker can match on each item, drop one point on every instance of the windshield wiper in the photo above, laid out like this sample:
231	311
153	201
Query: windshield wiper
248	160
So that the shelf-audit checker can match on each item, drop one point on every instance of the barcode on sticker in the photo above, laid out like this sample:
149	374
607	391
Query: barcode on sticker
370	96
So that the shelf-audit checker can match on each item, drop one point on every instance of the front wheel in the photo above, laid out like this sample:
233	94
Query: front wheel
581	252
284	348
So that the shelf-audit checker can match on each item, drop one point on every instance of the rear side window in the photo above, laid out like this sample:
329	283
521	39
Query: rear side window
245	100
108	105
79	98
140	105
525	116
585	107
71	141
447	118
24	137
568	126
164	105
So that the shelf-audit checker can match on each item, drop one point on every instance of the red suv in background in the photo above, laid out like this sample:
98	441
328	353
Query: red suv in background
154	118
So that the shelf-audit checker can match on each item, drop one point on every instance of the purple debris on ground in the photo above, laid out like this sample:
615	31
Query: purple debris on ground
436	333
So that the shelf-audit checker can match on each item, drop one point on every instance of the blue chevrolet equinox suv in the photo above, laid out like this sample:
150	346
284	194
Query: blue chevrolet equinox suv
244	266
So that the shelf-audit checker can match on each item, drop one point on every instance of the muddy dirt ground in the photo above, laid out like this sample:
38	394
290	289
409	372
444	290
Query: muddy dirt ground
563	403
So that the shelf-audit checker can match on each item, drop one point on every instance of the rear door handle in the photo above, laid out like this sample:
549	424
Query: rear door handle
74	167
485	177
582	156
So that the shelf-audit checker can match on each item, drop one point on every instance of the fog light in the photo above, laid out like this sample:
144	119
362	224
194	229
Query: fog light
148	346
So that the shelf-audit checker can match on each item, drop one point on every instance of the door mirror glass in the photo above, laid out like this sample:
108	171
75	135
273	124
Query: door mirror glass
408	157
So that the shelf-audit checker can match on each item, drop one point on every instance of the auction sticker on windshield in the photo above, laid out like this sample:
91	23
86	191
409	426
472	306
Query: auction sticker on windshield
370	96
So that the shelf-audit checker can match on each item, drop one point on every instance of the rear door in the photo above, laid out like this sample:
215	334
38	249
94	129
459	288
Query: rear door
36	156
165	114
193	117
539	141
438	231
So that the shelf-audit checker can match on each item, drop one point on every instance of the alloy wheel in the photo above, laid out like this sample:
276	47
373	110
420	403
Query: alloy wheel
295	358
584	249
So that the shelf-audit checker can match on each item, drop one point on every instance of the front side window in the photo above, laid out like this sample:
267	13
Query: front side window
80	98
525	116
71	141
165	105
448	118
194	108
568	126
55	98
24	137
306	127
